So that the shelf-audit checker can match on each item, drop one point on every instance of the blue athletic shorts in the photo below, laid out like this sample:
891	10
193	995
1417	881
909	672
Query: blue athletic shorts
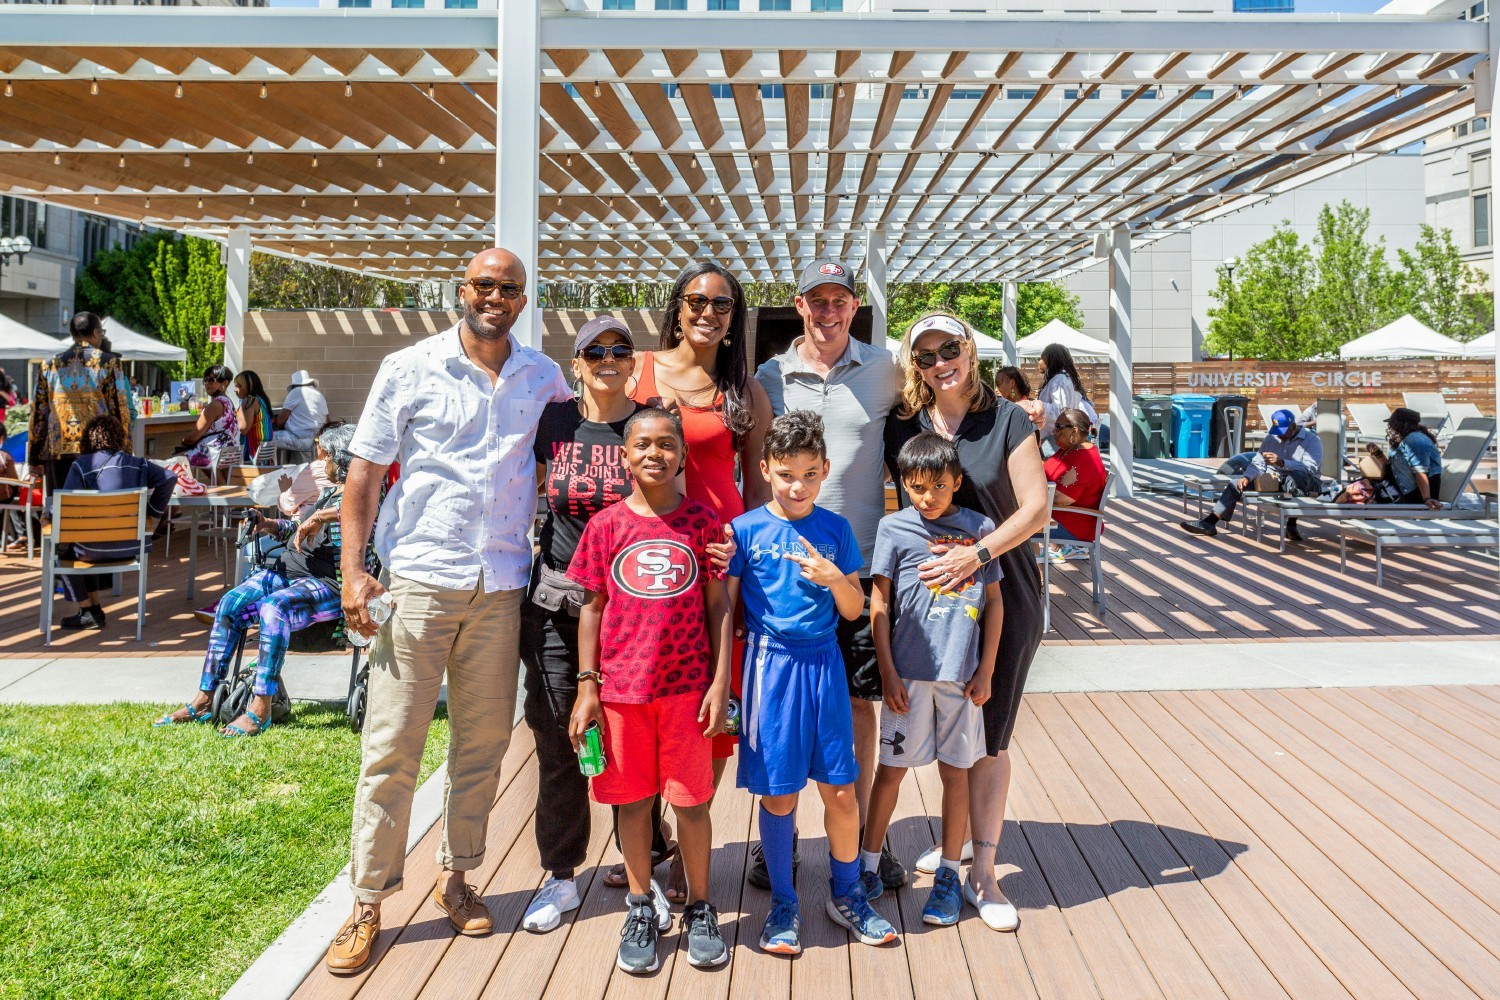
796	724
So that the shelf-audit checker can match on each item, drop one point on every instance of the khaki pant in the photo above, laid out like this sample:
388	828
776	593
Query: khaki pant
473	636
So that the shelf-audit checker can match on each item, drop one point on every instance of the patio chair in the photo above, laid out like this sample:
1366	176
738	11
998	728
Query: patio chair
95	517
1431	405
1369	422
1096	551
27	506
1437	532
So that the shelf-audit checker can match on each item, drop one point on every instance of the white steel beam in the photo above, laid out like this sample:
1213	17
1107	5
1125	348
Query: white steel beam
517	135
876	258
236	298
1009	322
1121	401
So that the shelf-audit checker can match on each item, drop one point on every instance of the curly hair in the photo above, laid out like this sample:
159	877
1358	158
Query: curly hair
731	372
917	395
103	433
796	432
335	441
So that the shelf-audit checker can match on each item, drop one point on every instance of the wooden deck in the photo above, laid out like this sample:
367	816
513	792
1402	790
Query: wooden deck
1302	843
1164	585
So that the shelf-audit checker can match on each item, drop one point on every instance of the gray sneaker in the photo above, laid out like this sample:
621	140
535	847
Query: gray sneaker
637	954
705	945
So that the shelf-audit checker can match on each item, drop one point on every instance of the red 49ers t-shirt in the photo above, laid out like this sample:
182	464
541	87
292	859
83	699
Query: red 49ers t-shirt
654	638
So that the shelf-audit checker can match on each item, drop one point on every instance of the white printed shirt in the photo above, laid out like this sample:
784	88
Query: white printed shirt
460	513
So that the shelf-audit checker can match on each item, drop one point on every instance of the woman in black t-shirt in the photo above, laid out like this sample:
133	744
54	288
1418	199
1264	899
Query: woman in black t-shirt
581	468
1004	480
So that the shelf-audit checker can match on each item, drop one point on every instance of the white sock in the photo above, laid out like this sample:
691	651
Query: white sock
870	860
949	863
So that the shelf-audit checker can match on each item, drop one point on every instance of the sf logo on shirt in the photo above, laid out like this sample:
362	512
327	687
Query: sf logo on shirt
656	569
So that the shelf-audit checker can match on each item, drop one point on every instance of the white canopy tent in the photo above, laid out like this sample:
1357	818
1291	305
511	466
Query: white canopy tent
1481	347
990	349
1407	337
19	342
1057	332
134	346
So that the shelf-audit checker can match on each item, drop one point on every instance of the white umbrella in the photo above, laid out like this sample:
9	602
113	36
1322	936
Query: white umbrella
1407	337
1481	347
21	343
134	346
1058	332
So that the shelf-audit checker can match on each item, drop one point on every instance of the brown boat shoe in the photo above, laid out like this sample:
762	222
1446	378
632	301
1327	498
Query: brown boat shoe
350	951
466	912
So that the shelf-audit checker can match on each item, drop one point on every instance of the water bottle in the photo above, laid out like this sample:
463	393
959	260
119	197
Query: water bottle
379	611
166	401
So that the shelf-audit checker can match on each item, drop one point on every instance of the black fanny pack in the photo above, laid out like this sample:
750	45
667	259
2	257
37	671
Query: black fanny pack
552	590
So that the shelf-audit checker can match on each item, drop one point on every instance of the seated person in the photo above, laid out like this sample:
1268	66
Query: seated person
301	588
301	487
15	524
301	414
1412	474
1078	471
105	466
1292	455
1011	383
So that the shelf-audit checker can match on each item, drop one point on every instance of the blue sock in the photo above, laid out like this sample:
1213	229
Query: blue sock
843	875
776	836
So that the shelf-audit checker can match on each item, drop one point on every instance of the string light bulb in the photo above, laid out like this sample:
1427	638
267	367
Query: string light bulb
1320	90
96	199
187	161
148	201
57	159
596	89
315	161
348	89
9	90
122	161
249	159
569	160
94	88
304	201
178	91
841	88
200	202
252	199
262	92
431	90
356	201
379	161
442	157
406	199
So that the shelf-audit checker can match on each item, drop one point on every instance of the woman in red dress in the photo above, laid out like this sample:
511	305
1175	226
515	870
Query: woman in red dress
699	369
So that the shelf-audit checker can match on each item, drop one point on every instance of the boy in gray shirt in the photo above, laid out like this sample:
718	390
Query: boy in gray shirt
936	652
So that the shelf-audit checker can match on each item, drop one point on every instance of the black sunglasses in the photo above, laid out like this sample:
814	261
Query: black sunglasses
598	352
697	303
949	351
486	286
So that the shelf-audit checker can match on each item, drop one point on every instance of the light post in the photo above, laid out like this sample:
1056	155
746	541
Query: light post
1228	268
12	246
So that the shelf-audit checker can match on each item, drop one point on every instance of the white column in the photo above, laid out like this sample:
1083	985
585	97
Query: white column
1010	323
1121	457
447	295
236	298
517	139
875	261
1493	83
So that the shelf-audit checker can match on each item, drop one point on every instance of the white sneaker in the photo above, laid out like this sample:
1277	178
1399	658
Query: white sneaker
556	897
929	860
662	907
997	915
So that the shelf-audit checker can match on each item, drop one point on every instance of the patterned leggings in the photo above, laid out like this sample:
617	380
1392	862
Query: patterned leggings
281	607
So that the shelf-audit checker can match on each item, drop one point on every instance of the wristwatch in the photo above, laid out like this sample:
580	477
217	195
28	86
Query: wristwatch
984	555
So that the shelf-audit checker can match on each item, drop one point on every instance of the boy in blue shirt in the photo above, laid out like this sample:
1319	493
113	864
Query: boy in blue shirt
936	651
796	569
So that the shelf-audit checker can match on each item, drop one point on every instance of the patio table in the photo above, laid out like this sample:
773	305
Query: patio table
217	498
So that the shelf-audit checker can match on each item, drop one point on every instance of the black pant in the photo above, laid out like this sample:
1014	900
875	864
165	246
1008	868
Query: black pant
1305	481
549	649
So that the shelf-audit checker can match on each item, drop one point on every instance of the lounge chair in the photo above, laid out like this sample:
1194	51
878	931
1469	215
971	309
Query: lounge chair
1461	460
1432	406
1369	422
1426	533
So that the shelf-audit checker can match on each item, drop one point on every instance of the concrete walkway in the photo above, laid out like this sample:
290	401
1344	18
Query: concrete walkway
1057	669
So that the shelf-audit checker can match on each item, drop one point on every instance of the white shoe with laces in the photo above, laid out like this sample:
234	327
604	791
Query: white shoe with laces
998	915
928	861
556	897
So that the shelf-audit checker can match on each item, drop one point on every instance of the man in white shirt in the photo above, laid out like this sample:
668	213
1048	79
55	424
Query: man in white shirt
459	412
304	411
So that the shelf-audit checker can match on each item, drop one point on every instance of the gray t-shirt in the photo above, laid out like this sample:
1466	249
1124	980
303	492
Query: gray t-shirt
854	400
934	637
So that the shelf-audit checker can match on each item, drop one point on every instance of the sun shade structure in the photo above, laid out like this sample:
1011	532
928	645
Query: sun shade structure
1481	346
1057	332
1407	337
983	148
134	346
19	342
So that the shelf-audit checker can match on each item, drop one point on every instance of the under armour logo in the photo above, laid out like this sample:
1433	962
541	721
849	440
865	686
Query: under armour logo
897	743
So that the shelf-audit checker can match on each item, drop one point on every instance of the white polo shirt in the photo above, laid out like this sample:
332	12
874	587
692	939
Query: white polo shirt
461	511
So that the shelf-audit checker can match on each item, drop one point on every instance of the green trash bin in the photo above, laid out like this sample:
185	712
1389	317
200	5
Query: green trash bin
1152	433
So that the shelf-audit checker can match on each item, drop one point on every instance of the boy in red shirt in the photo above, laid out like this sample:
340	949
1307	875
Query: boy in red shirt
653	652
1078	471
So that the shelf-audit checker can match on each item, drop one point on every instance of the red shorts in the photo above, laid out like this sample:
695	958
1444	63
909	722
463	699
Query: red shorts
655	748
724	745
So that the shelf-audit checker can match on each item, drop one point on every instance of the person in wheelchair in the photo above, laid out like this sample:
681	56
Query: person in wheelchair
299	588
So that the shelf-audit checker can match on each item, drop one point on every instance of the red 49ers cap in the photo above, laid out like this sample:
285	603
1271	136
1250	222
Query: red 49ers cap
825	271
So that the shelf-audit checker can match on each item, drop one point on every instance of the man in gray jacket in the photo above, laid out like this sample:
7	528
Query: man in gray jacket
1291	453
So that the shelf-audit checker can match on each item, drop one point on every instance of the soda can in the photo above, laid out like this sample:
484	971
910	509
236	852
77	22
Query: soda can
732	717
591	752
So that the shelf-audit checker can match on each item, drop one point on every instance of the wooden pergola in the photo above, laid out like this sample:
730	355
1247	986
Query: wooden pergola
608	146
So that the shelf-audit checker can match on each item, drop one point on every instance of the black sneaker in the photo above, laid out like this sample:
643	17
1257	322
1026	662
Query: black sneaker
759	877
892	872
1292	534
90	619
705	945
637	954
1199	528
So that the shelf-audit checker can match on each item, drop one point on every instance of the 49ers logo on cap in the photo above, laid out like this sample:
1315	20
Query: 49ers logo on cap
832	268
654	569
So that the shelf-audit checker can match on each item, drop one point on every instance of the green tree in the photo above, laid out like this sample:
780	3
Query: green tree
189	282
1356	289
1271	312
278	282
1040	302
982	305
1439	288
118	283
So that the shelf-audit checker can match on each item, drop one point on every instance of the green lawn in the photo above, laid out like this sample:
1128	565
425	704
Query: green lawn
140	862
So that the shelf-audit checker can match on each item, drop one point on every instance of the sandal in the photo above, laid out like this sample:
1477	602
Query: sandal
232	731
193	716
616	878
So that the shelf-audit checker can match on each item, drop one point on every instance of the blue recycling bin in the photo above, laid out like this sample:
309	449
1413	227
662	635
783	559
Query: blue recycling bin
1191	416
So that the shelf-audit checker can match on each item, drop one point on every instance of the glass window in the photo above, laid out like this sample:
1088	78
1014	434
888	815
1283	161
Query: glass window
1481	220
967	95
461	4
1149	95
408	4
783	5
818	91
671	4
24	218
1071	94
720	90
827	6
354	3
670	89
1479	125
914	93
1479	172
771	90
1020	93
619	4
723	4
1202	94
